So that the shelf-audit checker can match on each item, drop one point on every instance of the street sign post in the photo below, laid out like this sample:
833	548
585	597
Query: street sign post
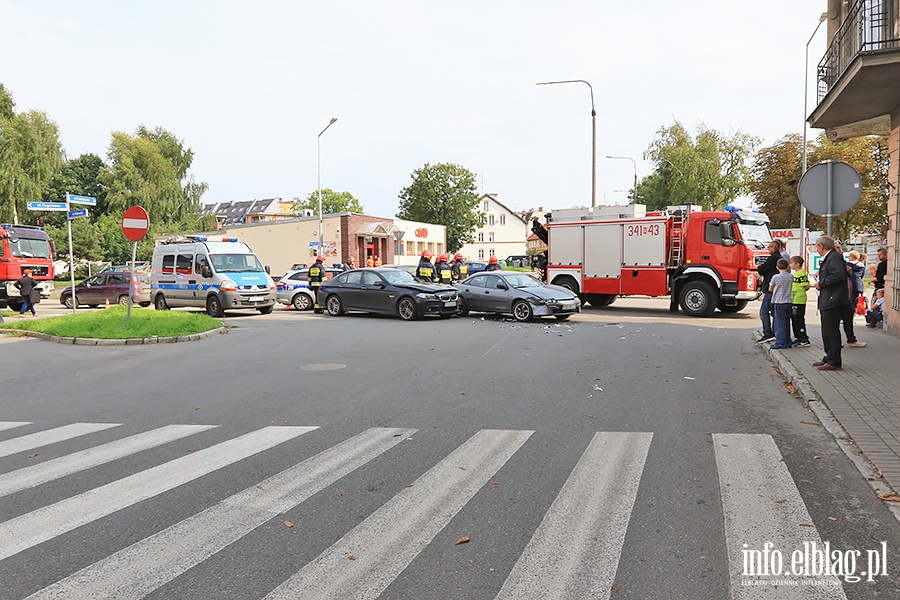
76	199
48	206
830	188
135	223
78	214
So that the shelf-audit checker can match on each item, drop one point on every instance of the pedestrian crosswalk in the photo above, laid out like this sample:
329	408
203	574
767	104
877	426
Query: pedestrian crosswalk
574	552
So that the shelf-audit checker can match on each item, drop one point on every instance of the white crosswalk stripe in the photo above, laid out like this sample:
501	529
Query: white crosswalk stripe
762	504
575	551
46	523
4	425
148	564
50	436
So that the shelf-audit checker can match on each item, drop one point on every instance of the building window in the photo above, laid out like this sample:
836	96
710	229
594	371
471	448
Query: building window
481	254
491	236
490	219
503	219
492	252
480	236
487	206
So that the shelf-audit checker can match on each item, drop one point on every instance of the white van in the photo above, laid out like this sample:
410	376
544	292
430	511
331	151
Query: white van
214	272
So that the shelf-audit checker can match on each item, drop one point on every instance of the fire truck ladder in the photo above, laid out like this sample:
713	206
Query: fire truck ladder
675	250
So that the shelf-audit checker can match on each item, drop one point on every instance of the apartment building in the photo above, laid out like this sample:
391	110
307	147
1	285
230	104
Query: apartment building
859	94
503	234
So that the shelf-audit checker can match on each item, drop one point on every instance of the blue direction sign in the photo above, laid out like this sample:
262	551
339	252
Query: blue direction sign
76	199
57	206
77	214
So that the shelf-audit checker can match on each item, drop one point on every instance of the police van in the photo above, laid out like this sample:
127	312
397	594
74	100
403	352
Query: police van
212	272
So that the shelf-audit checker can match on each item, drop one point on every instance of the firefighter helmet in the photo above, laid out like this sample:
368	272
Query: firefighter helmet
493	260
442	258
426	254
458	256
320	257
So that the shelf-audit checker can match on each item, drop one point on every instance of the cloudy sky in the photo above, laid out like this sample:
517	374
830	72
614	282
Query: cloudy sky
249	86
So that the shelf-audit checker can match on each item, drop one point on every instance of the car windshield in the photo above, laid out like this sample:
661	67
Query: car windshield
521	280
755	233
395	276
235	263
28	248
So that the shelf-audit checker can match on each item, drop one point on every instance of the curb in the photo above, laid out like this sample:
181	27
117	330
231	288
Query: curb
842	437
119	342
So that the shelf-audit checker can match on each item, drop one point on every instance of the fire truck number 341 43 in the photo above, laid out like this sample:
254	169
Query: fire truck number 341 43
639	230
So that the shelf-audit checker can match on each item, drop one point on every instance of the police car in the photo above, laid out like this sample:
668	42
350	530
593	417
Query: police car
293	288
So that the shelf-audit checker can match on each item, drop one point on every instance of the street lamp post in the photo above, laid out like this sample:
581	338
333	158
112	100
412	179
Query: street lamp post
593	136
319	181
635	172
805	96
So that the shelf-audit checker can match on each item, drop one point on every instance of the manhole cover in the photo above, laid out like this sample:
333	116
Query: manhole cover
323	367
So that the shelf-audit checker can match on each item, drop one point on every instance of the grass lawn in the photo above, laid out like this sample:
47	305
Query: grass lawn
111	324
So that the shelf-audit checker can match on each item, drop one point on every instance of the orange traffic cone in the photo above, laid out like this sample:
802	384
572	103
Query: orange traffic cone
107	303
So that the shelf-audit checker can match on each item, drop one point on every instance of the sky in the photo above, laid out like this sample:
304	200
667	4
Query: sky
249	86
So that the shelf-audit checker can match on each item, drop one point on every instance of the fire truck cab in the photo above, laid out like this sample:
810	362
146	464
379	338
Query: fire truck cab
24	247
703	260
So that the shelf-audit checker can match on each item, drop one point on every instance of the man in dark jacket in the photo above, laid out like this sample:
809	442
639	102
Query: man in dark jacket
766	271
31	295
315	276
834	295
425	270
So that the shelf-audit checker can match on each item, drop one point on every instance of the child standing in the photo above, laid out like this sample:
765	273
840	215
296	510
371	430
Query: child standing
798	301
781	288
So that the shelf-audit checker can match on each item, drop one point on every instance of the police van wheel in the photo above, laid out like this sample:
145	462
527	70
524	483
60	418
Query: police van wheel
406	308
160	302
214	307
302	302
334	306
266	310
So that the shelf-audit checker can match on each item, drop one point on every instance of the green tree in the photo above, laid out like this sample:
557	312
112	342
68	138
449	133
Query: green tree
709	169
776	175
150	169
332	202
29	153
443	194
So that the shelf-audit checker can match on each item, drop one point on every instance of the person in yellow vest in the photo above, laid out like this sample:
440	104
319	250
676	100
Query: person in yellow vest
425	270
315	277
442	272
459	270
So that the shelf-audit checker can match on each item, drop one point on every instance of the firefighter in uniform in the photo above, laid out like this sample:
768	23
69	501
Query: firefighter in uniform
315	277
459	270
425	270
493	264
442	272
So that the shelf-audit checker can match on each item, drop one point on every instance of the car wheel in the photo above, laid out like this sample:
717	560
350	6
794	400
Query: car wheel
160	302
123	300
522	311
266	310
562	317
698	299
301	302
406	308
461	308
334	306
69	302
214	307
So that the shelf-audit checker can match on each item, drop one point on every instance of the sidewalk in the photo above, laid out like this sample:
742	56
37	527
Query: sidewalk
864	396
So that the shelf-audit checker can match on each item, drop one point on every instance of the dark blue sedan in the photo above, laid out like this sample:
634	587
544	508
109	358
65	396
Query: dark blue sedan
386	291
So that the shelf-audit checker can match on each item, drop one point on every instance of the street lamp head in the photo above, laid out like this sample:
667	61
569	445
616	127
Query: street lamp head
332	121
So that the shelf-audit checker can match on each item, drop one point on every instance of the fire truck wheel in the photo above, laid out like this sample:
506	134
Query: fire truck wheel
567	282
741	305
698	299
600	300
522	311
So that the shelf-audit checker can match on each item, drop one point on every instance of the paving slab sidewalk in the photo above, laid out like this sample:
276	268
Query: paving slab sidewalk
864	397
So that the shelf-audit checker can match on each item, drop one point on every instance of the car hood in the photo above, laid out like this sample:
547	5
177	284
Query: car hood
549	292
423	287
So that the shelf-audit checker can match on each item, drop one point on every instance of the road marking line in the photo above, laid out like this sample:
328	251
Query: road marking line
34	475
391	537
574	553
51	436
38	526
4	425
152	562
761	504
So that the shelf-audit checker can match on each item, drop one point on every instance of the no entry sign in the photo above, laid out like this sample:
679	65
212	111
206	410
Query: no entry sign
135	223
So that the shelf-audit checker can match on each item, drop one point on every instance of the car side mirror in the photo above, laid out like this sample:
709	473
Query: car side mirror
205	271
502	286
268	270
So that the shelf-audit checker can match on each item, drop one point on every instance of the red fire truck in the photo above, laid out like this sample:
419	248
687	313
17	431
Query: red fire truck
21	247
703	260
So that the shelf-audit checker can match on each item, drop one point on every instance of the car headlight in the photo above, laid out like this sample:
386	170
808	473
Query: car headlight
227	285
425	296
537	301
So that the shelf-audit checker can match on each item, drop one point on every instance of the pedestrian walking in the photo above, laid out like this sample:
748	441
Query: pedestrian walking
29	291
766	271
833	297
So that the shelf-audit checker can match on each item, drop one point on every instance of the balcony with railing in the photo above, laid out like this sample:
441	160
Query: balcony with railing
859	76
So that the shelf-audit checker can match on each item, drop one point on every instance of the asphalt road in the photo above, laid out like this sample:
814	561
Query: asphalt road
627	453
